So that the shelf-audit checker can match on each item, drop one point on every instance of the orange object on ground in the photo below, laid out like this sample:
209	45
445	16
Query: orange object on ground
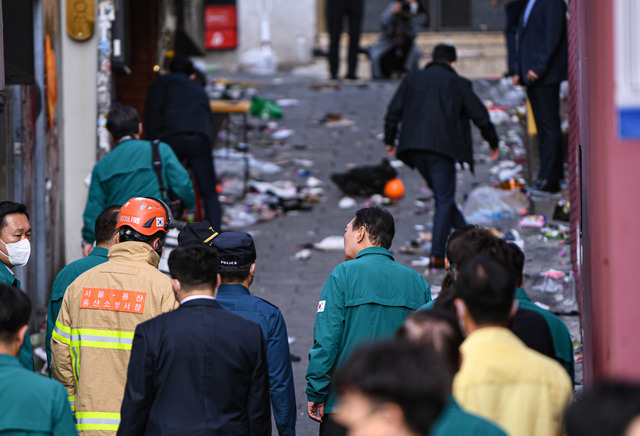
394	189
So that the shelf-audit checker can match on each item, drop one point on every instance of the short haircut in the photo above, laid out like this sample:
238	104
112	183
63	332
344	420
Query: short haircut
445	300
15	310
233	273
444	53
181	64
194	264
486	287
475	242
378	223
123	121
517	263
436	329
8	208
201	78
456	234
128	234
105	227
606	409
448	280
399	372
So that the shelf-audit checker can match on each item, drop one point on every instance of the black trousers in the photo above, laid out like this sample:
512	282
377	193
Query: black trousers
439	172
328	427
545	104
394	59
336	11
513	11
196	149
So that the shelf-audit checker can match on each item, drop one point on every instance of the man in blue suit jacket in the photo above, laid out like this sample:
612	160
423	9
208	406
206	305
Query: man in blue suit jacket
542	65
237	256
200	369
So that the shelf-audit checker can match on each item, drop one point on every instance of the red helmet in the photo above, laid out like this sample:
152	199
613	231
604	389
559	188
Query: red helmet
146	216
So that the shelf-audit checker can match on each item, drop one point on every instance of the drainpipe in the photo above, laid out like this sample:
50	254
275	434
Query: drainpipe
39	209
17	135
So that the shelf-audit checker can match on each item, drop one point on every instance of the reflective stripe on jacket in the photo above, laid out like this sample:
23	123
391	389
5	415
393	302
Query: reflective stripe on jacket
92	338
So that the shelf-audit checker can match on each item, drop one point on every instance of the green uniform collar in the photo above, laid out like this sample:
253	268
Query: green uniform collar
375	250
521	295
99	252
8	360
6	276
451	404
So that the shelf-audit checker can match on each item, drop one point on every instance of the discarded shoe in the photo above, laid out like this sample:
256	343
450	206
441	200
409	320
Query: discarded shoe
436	262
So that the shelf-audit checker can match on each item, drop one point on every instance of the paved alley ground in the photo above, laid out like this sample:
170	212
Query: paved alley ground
294	285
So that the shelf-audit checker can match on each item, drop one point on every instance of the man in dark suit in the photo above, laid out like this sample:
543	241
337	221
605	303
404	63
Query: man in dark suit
434	107
199	369
177	111
542	65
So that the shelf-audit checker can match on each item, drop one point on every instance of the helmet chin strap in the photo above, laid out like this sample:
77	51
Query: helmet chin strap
160	246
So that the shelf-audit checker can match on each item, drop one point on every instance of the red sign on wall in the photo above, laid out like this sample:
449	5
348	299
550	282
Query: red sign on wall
220	27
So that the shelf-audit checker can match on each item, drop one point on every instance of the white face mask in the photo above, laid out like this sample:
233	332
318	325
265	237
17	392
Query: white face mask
19	252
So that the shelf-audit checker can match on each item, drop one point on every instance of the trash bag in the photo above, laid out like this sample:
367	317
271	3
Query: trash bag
490	207
365	180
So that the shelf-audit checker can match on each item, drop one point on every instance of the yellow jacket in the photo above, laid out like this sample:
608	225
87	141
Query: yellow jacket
503	380
91	342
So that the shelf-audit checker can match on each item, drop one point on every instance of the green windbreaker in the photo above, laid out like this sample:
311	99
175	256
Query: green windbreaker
26	352
363	300
127	172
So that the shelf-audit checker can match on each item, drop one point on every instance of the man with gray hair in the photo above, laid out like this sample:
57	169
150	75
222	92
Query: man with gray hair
364	299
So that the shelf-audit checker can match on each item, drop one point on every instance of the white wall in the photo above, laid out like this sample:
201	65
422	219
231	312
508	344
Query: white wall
77	68
289	19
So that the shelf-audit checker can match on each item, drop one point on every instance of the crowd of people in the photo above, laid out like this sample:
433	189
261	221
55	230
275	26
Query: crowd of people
134	351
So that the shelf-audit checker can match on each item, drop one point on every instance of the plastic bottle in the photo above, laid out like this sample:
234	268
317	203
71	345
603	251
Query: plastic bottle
569	289
552	285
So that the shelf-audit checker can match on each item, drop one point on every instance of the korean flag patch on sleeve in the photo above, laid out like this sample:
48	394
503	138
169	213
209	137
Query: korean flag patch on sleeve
321	305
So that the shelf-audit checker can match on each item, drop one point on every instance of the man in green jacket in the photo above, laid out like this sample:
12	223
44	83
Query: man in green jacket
562	343
106	236
31	404
15	249
365	299
127	171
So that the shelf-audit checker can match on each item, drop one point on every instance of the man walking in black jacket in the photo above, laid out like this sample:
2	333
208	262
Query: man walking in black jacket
434	107
177	112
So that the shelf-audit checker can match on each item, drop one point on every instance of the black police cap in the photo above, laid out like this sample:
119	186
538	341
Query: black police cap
235	248
197	232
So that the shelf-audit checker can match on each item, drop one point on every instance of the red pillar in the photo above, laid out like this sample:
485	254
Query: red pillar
605	185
